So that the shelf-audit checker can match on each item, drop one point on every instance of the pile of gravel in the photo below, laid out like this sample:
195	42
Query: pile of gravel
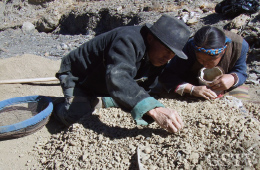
217	134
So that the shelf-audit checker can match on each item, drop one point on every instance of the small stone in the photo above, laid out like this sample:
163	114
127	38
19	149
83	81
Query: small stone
43	160
145	158
147	150
194	157
205	10
234	31
84	157
119	9
72	143
186	165
201	125
185	18
199	167
257	165
192	21
64	46
22	155
28	27
148	138
57	164
253	76
125	161
139	137
132	147
201	149
202	6
46	54
153	167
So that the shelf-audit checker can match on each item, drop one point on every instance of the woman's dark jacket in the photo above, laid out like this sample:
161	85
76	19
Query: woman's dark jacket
115	64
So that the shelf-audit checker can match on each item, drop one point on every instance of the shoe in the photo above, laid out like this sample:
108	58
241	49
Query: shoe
58	114
97	103
57	100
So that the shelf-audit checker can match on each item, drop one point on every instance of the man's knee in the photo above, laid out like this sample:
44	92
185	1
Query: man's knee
73	109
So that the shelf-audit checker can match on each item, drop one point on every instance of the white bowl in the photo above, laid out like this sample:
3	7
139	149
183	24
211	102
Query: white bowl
206	76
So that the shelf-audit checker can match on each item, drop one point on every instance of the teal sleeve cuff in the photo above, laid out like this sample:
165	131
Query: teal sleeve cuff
142	107
141	122
108	102
139	110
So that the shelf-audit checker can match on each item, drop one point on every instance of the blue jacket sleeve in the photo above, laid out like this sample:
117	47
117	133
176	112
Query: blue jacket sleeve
240	66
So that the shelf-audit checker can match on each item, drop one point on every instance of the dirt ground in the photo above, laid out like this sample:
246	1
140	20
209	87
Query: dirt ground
18	153
216	134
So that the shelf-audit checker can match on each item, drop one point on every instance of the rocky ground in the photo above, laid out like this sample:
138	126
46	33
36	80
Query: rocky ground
217	135
213	137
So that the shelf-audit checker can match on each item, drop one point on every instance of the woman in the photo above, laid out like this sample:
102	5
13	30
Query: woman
209	48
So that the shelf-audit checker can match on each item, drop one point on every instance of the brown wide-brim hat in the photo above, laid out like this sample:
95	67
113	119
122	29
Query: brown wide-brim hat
172	32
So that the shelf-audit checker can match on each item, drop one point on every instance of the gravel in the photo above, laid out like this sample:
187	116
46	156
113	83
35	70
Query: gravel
15	43
217	134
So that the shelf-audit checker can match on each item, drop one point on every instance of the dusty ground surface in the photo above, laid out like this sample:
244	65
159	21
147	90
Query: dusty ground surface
217	134
15	154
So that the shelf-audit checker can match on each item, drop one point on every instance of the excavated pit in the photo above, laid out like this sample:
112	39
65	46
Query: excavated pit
97	23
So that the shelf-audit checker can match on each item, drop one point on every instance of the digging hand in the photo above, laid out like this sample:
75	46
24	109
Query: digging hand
203	91
167	118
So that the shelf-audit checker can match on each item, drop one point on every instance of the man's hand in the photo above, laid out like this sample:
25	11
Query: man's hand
203	91
222	82
167	119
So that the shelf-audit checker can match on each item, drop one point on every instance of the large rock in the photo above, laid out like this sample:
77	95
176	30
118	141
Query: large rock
238	22
49	22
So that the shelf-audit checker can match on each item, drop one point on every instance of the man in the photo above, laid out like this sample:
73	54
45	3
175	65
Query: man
123	64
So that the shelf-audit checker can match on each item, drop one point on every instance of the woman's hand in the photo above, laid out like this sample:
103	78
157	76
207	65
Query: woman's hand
223	82
168	119
203	91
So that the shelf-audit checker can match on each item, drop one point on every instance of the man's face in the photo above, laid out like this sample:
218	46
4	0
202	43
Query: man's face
158	53
208	61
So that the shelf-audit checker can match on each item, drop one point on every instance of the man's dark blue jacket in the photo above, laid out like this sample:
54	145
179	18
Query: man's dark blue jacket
115	64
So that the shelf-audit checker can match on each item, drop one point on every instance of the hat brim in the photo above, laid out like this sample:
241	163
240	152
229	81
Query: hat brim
179	53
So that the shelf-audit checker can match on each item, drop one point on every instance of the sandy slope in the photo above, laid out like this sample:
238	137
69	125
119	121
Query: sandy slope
18	153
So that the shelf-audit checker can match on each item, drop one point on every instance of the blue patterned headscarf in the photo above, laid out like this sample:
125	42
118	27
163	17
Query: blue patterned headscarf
211	51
